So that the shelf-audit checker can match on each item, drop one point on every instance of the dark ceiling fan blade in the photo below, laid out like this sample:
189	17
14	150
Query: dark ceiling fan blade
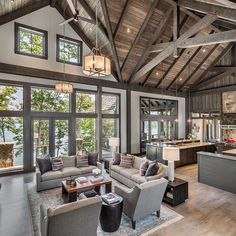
66	21
87	20
72	7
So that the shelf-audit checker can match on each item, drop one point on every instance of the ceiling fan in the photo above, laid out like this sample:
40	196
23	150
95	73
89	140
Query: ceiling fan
76	16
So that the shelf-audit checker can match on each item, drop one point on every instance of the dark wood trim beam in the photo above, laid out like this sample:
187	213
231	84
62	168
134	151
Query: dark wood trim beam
214	79
143	27
223	68
198	67
56	76
183	68
111	40
222	54
156	36
53	3
28	8
221	12
92	15
121	19
203	23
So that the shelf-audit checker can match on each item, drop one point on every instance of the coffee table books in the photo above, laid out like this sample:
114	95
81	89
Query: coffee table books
82	180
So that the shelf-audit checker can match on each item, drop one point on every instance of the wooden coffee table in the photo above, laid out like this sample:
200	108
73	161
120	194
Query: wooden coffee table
82	187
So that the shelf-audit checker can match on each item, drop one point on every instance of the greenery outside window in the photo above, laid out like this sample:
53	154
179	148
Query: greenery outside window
48	100
69	50
85	102
31	41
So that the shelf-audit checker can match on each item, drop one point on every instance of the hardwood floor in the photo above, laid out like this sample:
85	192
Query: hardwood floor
208	211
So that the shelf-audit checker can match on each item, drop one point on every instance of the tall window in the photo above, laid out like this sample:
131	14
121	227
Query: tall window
86	121
11	127
31	41
110	120
69	50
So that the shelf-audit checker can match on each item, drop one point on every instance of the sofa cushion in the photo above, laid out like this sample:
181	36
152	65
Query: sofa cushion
117	159
137	162
128	172
138	179
116	168
44	164
82	160
143	168
87	169
152	169
92	158
57	163
127	161
50	175
68	171
68	161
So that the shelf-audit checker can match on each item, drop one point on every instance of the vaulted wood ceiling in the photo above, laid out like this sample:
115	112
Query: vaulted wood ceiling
128	29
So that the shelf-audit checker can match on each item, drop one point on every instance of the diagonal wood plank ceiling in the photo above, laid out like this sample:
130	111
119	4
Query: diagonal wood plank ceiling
134	27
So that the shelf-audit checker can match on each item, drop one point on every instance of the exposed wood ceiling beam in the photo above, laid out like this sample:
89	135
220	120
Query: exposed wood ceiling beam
222	68
198	67
55	76
222	54
53	3
217	38
143	27
214	78
111	40
225	3
220	11
183	68
156	36
92	15
28	8
181	52
204	22
122	18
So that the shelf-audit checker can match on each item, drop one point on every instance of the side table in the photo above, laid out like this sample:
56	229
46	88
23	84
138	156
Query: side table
176	192
110	216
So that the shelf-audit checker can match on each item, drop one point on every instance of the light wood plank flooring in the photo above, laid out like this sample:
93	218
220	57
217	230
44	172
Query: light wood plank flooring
209	211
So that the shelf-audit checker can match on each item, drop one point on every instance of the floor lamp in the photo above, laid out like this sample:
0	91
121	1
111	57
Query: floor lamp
171	154
114	143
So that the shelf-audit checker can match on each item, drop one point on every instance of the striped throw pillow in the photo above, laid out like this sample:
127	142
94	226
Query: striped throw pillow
127	161
57	163
82	160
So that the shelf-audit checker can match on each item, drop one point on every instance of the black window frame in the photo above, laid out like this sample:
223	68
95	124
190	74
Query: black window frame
30	28
79	45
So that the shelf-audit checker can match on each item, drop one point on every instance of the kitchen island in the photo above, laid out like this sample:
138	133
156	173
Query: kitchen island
188	152
231	152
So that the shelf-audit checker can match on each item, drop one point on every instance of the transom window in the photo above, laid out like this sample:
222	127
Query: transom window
69	50
31	41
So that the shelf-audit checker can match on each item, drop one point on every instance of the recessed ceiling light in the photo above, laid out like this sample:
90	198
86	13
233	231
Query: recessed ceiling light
180	79
128	30
203	50
157	73
12	1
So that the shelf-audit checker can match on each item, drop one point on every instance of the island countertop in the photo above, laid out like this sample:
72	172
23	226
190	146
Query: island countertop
231	152
194	145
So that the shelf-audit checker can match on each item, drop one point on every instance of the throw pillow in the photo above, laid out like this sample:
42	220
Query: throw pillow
117	159
82	160
92	158
57	163
126	161
44	164
143	168
68	161
152	169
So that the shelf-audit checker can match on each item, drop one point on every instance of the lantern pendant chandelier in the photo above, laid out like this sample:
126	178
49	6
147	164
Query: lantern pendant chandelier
95	64
63	86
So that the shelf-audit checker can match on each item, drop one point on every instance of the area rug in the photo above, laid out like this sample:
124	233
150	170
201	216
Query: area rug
145	226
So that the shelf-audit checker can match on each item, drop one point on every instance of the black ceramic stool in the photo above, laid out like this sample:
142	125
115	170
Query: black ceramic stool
110	216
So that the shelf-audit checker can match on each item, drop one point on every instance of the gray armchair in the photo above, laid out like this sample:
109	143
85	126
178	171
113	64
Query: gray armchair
143	199
73	219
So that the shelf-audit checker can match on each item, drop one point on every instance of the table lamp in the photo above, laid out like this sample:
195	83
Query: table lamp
114	143
171	154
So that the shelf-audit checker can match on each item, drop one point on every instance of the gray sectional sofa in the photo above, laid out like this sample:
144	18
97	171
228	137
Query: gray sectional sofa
130	176
53	179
